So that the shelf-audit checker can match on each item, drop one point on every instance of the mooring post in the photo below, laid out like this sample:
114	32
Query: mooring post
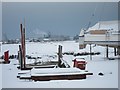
23	45
24	54
107	51
24	49
90	52
59	55
6	56
20	57
115	52
118	50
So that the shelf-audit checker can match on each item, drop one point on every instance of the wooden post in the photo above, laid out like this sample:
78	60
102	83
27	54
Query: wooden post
118	50
23	45
20	57
6	56
107	51
90	52
115	52
24	54
24	49
59	55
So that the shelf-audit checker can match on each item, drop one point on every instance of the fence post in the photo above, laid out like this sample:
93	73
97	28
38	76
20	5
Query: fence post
59	55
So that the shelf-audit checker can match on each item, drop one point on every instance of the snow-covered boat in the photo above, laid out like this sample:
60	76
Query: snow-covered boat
104	33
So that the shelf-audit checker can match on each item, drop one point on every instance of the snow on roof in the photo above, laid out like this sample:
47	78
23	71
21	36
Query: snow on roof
105	25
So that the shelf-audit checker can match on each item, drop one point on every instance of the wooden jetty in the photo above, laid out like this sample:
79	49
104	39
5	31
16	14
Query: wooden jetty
60	77
55	74
47	71
50	64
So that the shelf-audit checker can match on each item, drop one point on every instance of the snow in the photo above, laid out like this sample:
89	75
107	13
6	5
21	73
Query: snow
56	71
105	25
79	59
98	64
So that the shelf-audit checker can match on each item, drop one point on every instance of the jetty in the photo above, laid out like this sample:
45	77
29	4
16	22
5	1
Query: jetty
55	74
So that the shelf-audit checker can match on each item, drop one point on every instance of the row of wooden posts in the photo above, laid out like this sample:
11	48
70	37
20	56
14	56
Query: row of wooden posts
116	51
22	50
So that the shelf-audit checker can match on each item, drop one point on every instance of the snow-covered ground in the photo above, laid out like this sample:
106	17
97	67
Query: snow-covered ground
98	64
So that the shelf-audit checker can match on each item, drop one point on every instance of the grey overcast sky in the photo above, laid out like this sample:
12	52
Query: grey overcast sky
60	18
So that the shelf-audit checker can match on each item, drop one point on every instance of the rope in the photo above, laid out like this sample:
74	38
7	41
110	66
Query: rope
93	14
103	7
